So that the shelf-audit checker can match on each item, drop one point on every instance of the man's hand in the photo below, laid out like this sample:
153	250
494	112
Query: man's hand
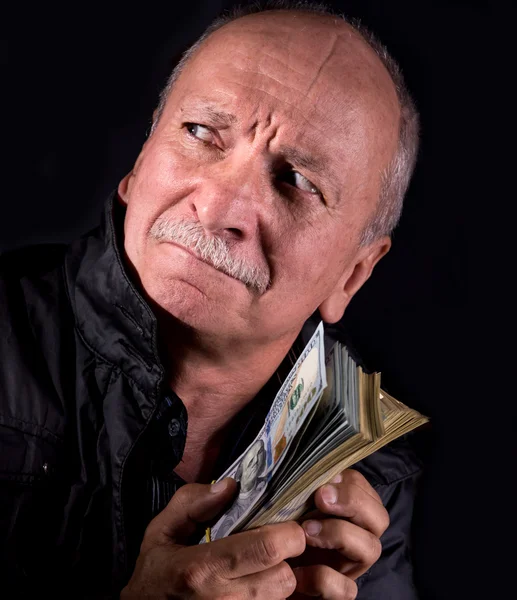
341	549
245	565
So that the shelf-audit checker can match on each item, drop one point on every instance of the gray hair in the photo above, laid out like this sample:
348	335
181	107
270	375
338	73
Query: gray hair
213	250
396	176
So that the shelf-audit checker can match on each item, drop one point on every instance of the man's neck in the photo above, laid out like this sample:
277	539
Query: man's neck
215	380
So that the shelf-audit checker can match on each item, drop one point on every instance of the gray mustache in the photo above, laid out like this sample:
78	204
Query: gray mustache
212	250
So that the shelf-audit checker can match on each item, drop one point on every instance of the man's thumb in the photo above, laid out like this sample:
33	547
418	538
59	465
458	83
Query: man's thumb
191	505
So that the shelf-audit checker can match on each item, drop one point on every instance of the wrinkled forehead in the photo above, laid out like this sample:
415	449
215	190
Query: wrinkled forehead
316	66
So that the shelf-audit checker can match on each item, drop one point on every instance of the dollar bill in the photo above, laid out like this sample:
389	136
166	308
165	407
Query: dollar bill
315	424
294	402
331	427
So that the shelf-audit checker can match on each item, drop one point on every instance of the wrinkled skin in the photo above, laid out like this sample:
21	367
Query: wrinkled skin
274	139
267	563
280	119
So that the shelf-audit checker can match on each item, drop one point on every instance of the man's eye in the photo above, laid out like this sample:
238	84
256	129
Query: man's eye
299	181
199	131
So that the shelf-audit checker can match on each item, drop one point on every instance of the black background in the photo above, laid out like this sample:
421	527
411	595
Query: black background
83	82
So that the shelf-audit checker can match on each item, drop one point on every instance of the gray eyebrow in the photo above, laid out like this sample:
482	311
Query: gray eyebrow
303	159
221	116
216	115
297	157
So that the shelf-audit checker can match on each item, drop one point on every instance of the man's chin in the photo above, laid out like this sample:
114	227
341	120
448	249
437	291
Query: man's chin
183	303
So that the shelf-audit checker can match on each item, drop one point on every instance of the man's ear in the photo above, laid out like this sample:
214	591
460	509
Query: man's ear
124	187
333	307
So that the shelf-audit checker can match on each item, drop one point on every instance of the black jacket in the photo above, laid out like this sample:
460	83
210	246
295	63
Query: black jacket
80	385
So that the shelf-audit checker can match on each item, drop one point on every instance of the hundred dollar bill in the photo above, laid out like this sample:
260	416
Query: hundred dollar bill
315	425
294	402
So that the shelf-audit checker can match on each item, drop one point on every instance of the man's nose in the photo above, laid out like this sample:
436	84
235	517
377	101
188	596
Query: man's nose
226	201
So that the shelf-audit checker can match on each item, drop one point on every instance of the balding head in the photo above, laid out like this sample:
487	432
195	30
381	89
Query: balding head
268	161
395	178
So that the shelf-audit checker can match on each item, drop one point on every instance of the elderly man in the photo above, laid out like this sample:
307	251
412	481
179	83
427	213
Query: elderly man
139	361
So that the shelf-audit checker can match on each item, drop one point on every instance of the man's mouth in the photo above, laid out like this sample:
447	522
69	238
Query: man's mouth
213	251
203	260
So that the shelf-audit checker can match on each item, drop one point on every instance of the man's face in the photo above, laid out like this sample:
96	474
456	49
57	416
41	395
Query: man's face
273	140
251	463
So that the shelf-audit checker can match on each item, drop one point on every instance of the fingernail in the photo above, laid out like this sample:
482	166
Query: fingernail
337	478
312	527
329	494
219	486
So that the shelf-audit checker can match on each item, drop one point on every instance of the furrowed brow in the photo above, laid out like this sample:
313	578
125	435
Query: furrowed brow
298	158
214	114
220	116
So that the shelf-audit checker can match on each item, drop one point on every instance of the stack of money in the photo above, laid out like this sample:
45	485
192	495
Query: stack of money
327	415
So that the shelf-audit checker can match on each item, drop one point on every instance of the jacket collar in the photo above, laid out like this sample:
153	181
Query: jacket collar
110	313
